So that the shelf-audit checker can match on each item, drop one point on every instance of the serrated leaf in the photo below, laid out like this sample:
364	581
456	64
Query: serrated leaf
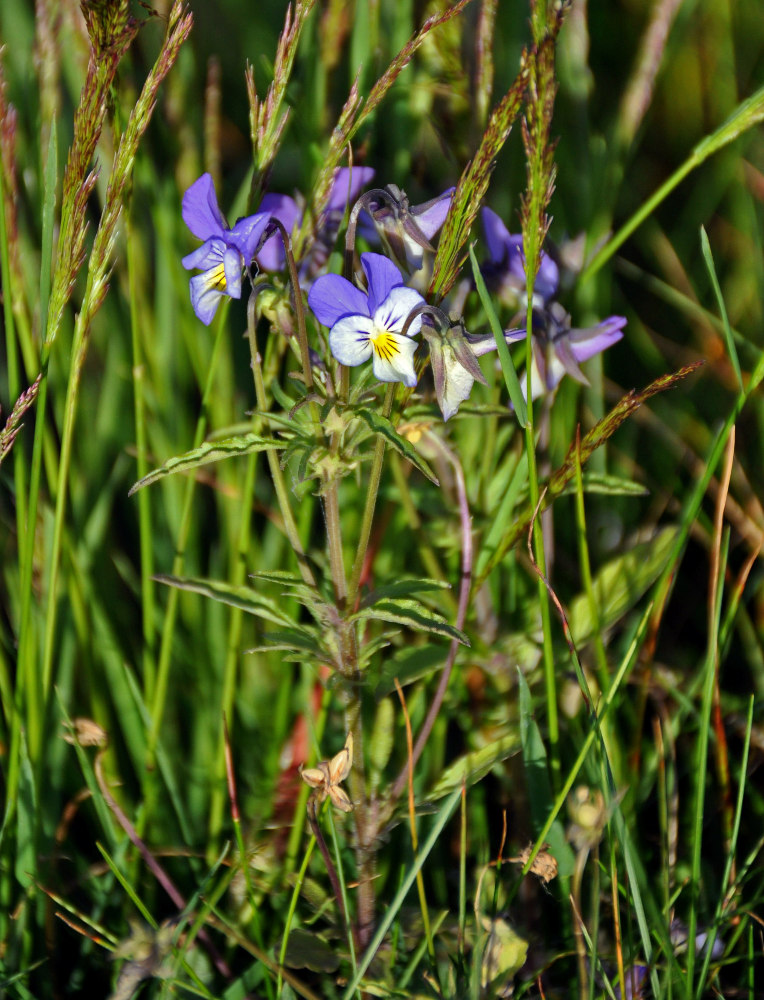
413	614
619	585
470	768
382	426
206	454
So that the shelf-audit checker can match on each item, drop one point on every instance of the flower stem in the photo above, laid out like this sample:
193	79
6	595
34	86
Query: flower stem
302	333
371	499
273	462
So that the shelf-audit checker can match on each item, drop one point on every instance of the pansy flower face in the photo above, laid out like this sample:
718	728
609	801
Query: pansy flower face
369	325
224	253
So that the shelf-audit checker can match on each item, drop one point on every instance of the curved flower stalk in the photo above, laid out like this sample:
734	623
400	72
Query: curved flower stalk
405	230
370	324
346	187
224	254
558	348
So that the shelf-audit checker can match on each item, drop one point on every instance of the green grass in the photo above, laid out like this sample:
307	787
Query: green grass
291	555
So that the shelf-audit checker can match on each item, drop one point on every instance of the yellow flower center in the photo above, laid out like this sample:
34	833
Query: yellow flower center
216	277
384	345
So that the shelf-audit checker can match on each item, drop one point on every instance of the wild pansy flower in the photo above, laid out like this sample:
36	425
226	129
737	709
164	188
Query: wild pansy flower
367	325
453	357
558	349
224	253
406	230
346	187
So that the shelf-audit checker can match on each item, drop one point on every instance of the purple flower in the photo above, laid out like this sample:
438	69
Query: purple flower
367	325
224	253
505	270
406	230
346	186
557	348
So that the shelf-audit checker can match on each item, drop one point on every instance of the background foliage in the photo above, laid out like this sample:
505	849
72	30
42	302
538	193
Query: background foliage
670	633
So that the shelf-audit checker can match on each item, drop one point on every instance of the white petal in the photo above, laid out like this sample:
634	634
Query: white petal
393	358
458	387
393	312
349	340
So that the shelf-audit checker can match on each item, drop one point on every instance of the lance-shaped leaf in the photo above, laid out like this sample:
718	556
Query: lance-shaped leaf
414	615
620	583
384	427
470	768
209	452
240	597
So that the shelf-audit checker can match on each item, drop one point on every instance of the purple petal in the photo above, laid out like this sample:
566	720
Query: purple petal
382	275
233	266
432	214
584	344
246	234
205	298
271	255
200	209
347	185
547	278
502	247
331	297
208	255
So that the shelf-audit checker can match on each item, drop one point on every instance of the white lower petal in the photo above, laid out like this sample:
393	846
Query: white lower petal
350	340
393	358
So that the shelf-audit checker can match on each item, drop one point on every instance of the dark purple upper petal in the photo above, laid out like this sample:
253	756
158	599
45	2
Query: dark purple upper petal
200	209
432	214
271	256
347	185
331	297
382	276
246	234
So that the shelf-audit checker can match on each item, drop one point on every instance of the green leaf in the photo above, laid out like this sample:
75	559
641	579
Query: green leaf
409	665
382	426
507	366
210	451
240	597
620	583
309	951
605	485
408	587
413	614
470	768
25	861
709	259
540	796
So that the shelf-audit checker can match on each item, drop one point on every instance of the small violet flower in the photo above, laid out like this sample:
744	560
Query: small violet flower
224	253
345	189
406	230
558	349
453	356
368	325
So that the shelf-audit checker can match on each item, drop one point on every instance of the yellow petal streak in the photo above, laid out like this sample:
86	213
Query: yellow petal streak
384	345
215	277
